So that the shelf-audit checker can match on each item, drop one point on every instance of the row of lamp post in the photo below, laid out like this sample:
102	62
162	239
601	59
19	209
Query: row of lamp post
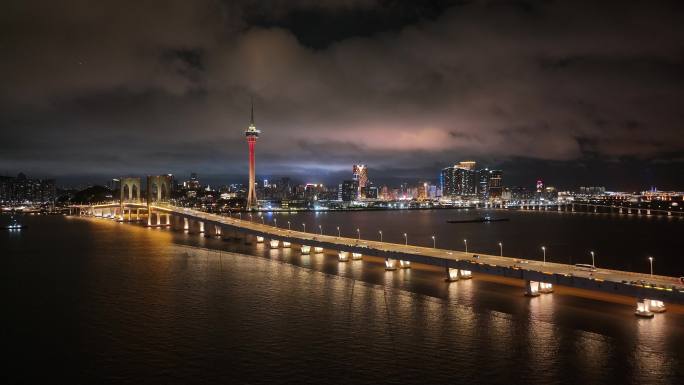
434	241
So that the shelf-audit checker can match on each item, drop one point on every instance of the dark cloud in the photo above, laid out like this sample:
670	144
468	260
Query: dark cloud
537	87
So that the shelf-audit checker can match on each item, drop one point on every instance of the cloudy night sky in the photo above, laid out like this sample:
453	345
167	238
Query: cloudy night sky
573	92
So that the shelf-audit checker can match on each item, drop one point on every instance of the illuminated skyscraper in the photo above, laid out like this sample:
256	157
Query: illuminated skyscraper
459	180
495	183
360	172
252	134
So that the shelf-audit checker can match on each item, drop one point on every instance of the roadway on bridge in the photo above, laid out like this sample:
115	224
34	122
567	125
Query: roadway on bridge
493	260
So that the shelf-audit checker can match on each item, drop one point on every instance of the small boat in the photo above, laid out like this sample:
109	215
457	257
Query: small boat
480	220
14	225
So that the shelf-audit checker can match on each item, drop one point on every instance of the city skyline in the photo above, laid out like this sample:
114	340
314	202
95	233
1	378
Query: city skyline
594	112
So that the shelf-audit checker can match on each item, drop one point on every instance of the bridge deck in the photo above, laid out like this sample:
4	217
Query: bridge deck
668	289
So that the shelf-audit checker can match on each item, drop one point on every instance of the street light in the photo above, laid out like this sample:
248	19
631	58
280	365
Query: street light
501	249
544	251
338	232
304	226
593	265
465	242
650	260
358	232
320	229
405	239
380	232
434	242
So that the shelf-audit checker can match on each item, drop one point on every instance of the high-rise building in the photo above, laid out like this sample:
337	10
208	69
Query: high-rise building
360	175
495	183
459	180
483	176
252	134
21	190
348	191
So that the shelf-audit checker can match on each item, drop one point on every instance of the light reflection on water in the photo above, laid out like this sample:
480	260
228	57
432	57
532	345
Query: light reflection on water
126	303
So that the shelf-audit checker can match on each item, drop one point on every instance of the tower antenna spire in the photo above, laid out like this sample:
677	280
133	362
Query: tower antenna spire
251	120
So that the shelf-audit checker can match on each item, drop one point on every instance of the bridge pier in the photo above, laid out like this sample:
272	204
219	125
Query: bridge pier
357	256
545	288
405	264
390	264
643	309
259	239
274	243
318	249
343	256
287	245
531	288
656	306
305	249
453	275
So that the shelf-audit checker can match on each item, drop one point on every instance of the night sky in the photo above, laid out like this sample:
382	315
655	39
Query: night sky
573	92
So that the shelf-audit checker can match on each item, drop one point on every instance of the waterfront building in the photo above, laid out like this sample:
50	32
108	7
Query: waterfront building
348	191
495	184
360	175
459	180
24	190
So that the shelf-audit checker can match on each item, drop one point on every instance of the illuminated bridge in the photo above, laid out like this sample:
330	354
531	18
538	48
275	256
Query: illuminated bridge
651	292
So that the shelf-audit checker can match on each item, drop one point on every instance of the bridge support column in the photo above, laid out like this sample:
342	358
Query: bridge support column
186	224
305	249
217	230
643	308
137	214
287	245
390	264
357	256
452	275
656	306
201	227
405	264
531	288
149	217
648	212
318	249
545	288
274	243
158	219
343	256
259	239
